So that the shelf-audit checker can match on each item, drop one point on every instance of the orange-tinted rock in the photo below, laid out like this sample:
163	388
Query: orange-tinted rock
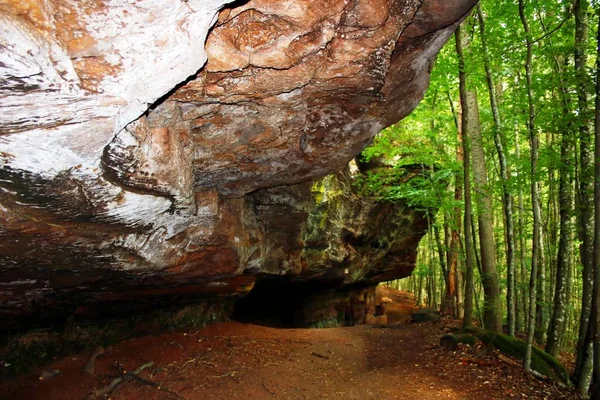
127	165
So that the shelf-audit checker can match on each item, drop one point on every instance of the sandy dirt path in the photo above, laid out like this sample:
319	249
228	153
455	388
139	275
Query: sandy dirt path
244	361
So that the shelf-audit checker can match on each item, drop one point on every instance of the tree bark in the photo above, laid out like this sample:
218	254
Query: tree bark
446	303
565	196
557	321
487	243
420	291
469	282
433	284
507	201
521	223
453	287
533	139
596	258
585	200
541	313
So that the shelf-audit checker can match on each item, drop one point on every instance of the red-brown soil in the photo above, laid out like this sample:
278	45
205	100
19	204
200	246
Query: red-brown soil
243	361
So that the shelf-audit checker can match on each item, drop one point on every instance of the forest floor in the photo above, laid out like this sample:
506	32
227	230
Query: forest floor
243	361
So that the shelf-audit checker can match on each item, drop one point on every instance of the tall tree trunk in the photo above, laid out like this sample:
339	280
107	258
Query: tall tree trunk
506	195
596	258
585	201
565	198
453	278
521	223
453	287
433	284
533	138
429	279
557	321
469	281
563	265
541	303
489	277
445	273
420	291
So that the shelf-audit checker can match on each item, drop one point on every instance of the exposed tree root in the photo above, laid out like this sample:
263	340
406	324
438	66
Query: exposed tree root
132	376
90	365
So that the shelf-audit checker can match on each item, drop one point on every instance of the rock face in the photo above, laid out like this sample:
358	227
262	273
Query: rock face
337	239
134	171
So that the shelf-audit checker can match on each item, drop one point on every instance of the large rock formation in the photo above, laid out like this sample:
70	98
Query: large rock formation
133	170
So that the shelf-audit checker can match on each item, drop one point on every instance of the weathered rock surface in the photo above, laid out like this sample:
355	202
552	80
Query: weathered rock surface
426	315
131	172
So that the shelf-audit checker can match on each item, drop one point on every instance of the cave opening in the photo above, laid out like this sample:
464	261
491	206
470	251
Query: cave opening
282	303
271	303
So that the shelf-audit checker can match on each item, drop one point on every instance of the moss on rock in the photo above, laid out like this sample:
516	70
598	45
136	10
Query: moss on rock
426	315
541	361
451	341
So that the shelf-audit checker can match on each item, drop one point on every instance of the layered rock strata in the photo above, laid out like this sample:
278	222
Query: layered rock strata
154	151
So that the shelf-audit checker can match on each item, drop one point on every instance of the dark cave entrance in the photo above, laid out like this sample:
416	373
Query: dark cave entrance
270	303
286	304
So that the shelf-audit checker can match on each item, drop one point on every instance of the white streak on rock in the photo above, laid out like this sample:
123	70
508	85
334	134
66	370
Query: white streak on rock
158	43
52	125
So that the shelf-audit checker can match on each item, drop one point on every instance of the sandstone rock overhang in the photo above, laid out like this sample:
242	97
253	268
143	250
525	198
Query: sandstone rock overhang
132	168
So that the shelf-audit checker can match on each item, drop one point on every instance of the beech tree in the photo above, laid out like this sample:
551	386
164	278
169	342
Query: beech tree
507	202
584	363
466	155
519	83
596	257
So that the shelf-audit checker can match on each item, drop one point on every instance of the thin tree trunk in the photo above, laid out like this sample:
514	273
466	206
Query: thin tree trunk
563	263
521	222
585	201
433	285
469	281
476	246
568	333
453	276
557	321
562	274
445	273
420	291
429	283
596	259
453	287
506	195
541	304
489	277
535	249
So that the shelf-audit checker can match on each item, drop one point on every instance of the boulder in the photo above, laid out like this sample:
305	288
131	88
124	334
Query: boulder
426	315
541	362
451	341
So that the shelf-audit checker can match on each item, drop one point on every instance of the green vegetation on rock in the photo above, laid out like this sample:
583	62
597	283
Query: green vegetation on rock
541	361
